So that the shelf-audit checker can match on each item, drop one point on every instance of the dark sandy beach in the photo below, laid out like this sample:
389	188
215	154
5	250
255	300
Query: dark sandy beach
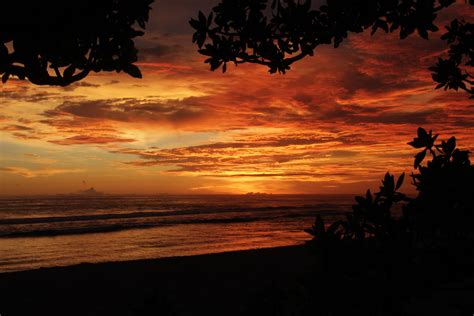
276	281
228	283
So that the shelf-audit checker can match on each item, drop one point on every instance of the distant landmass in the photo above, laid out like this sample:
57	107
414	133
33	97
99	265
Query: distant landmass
89	192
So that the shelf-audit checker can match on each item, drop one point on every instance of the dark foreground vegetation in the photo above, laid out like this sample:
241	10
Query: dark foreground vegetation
429	244
242	31
441	216
374	262
62	42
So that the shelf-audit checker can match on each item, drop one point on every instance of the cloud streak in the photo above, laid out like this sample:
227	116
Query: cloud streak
31	173
86	140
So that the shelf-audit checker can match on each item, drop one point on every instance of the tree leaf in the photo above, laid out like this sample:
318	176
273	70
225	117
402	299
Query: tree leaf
422	134
132	70
400	181
416	143
5	77
419	158
369	198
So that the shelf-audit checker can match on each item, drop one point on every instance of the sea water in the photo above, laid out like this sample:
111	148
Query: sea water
46	231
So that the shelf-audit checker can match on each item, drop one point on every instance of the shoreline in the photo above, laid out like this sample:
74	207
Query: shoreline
162	260
286	280
166	286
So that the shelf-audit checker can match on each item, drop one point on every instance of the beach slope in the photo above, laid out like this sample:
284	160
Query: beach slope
275	281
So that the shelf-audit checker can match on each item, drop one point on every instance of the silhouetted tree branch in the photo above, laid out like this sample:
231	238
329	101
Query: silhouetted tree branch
61	42
279	33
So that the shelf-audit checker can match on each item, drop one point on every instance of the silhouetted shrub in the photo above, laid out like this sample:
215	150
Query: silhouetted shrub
441	215
444	208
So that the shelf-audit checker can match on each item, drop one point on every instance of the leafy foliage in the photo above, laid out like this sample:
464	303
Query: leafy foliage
278	33
448	72
371	216
321	234
60	42
443	211
445	204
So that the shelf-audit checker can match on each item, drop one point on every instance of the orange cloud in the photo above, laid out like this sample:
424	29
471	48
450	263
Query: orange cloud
15	128
340	119
86	139
30	173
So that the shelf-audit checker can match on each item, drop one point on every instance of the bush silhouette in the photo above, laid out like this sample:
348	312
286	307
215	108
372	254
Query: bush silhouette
246	32
441	215
387	256
444	208
60	42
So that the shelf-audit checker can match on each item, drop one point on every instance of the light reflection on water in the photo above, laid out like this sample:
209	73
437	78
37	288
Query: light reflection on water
181	240
256	222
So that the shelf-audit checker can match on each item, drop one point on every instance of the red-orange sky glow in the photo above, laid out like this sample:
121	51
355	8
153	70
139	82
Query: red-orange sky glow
335	123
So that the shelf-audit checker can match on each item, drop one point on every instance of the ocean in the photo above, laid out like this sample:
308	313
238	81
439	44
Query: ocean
47	231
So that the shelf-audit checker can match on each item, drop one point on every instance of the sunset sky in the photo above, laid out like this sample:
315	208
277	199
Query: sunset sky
335	123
